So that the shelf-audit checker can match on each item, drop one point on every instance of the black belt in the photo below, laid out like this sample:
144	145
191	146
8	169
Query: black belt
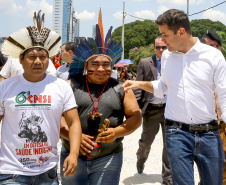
157	105
206	127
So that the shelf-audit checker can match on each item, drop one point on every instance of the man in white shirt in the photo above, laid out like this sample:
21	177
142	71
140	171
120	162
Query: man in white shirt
190	73
114	73
31	105
67	53
13	68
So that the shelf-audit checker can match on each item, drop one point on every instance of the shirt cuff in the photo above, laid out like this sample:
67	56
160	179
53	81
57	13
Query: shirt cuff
158	91
223	116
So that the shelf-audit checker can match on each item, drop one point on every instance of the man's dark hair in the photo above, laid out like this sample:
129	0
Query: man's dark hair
174	19
2	59
158	37
70	46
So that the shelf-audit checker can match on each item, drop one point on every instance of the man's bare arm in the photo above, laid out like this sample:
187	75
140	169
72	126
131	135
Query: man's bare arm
2	78
145	85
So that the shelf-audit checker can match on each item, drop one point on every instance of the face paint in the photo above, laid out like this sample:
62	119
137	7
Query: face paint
90	72
108	72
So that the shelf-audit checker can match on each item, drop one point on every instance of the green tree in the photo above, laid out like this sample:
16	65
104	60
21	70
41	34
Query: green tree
144	51
138	33
141	34
199	27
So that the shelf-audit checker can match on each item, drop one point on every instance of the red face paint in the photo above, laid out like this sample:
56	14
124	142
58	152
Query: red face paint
108	72
90	72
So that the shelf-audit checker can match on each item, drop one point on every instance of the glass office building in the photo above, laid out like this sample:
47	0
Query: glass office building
63	19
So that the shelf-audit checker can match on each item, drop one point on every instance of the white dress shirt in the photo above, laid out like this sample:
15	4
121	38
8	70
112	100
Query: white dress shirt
63	71
154	99
189	79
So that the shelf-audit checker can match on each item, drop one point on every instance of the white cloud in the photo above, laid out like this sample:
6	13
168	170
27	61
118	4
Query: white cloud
9	7
212	2
37	5
181	2
118	15
215	15
139	0
162	9
85	15
145	14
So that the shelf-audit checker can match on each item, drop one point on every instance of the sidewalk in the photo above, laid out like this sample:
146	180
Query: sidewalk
153	166
152	170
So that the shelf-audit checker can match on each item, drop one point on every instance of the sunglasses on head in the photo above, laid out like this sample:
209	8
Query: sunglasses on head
159	47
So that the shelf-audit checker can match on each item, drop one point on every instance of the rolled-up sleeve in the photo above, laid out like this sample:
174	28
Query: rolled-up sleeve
159	88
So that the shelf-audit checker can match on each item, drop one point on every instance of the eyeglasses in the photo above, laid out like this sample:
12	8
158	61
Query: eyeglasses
159	47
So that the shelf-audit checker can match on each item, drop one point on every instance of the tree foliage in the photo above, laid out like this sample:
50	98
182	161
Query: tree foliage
141	34
138	33
199	27
144	51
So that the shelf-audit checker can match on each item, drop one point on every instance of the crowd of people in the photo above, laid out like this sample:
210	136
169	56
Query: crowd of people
75	93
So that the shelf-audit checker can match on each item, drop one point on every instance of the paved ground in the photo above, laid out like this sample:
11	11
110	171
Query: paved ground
152	170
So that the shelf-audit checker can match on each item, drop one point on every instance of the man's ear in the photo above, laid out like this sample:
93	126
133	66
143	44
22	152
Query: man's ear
71	52
181	32
20	58
86	65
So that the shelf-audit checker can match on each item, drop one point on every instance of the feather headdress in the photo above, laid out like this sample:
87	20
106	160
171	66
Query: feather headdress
30	37
91	48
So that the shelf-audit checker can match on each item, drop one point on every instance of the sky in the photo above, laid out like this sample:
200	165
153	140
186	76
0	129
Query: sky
17	14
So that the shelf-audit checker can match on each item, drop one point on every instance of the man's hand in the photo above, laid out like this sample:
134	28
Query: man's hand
130	84
86	144
70	165
108	136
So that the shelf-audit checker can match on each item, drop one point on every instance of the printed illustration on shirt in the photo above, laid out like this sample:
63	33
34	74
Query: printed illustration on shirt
30	128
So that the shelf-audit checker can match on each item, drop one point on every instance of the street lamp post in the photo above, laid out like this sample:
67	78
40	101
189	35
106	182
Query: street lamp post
123	17
188	7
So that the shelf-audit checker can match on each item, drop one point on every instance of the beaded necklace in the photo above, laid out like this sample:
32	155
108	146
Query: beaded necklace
95	112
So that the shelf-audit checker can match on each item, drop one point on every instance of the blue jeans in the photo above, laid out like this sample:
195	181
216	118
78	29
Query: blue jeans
103	171
47	178
185	147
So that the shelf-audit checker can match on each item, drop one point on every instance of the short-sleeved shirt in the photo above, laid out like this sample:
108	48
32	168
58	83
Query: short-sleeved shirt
31	123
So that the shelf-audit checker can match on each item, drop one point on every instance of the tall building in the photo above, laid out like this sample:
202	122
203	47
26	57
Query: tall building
63	19
94	32
75	25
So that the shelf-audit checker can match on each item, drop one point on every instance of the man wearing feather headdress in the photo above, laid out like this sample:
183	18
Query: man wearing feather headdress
32	111
102	106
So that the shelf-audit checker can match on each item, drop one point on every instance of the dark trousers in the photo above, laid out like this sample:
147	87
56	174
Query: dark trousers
153	117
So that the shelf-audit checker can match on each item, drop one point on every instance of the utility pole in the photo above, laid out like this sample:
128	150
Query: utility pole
123	18
188	7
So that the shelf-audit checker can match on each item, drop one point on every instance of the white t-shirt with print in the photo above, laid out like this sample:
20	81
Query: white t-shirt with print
31	123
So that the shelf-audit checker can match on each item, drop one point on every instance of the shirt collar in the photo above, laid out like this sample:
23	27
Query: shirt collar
196	48
68	65
157	59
